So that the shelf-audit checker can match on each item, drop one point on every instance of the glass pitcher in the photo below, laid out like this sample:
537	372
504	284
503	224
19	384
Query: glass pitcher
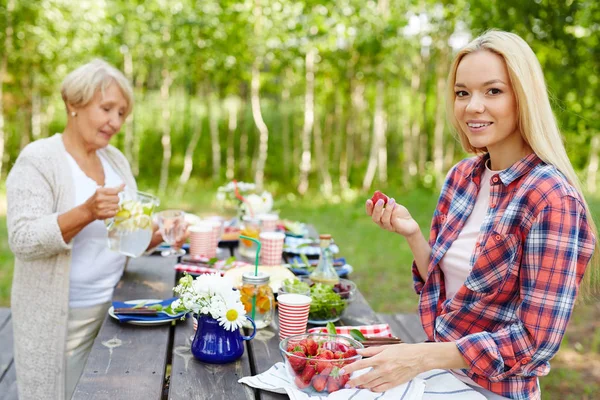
130	231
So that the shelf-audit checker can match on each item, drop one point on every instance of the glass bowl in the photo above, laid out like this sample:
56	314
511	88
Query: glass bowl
314	360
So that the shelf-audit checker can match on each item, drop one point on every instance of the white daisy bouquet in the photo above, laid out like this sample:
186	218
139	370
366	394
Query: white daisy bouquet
210	294
243	198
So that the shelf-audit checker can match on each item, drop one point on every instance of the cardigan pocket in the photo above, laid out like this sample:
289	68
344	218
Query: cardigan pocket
494	263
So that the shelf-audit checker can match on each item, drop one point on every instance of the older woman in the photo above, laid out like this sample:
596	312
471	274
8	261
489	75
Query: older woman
59	192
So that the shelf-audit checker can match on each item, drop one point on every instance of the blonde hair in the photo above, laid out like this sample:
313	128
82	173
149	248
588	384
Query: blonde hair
535	121
80	86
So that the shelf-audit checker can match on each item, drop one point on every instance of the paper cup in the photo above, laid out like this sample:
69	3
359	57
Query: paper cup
268	222
271	249
201	240
293	314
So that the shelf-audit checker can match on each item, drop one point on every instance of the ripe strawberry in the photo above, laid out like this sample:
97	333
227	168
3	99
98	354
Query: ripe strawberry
326	354
297	363
300	383
378	195
293	347
319	382
321	365
338	354
351	352
336	381
308	374
311	346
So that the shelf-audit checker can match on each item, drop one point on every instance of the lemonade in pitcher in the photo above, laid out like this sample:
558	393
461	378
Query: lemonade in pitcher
130	231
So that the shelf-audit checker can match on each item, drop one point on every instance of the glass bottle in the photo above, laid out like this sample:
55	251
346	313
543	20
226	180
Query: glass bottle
257	294
250	227
325	273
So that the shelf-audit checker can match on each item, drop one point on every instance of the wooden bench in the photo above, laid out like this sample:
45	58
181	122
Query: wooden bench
406	326
8	377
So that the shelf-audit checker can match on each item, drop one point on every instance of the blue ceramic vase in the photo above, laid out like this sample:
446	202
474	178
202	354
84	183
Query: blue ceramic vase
214	344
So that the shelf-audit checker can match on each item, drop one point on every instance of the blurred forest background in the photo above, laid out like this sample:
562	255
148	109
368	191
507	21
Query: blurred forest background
320	102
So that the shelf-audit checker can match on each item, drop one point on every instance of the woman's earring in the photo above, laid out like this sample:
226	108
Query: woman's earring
73	114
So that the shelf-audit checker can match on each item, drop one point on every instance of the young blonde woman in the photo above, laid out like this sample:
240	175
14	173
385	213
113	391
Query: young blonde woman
58	193
510	239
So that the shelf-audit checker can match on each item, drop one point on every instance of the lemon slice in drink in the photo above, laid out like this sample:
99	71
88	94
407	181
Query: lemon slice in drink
143	221
122	215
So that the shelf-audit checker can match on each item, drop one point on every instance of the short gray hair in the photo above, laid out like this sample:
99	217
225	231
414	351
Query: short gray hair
80	86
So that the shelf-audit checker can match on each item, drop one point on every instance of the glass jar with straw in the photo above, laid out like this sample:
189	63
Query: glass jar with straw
257	296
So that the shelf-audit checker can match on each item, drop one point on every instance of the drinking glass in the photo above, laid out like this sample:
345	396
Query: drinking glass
172	226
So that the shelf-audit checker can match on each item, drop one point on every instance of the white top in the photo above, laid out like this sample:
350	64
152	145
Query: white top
456	263
95	269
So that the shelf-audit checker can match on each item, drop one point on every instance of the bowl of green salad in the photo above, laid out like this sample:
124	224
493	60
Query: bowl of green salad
328	301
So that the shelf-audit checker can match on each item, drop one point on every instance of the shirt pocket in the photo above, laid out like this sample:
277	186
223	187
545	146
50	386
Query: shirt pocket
494	263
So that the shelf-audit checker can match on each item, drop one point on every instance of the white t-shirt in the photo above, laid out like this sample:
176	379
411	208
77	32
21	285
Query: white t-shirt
456	263
95	269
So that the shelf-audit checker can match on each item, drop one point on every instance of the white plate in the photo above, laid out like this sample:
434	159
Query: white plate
111	312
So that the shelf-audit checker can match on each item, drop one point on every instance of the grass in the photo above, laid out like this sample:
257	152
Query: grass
382	271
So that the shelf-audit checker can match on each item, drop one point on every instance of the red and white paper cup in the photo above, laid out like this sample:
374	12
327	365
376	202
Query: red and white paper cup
201	240
268	222
217	227
293	314
271	248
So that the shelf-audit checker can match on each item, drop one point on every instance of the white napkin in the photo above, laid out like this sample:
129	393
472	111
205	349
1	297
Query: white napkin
431	385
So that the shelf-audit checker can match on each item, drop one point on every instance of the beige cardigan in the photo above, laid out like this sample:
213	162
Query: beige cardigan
39	188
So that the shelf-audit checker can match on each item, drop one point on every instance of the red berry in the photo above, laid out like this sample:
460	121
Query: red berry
319	382
308	374
336	381
322	365
378	195
351	352
300	383
338	354
311	346
297	363
326	354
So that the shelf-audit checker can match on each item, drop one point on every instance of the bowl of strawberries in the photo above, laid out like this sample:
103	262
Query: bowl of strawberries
314	360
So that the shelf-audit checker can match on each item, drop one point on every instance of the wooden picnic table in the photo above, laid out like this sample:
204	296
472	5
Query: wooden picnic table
155	362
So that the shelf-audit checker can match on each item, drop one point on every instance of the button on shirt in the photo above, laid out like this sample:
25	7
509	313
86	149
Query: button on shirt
509	316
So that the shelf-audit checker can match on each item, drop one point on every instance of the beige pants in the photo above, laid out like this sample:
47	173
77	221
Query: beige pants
82	328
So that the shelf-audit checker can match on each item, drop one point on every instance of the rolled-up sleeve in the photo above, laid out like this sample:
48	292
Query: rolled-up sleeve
556	252
33	230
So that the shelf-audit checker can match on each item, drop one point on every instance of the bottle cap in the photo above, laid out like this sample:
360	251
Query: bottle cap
261	278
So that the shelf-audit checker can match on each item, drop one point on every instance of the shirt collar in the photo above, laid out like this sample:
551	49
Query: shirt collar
510	174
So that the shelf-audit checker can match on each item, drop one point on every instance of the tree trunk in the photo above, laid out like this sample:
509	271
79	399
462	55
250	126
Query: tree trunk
438	131
232	105
36	109
263	141
592	168
214	115
285	130
128	69
166	135
322	161
309	120
48	116
188	160
348	156
263	145
338	133
412	143
378	142
8	33
137	139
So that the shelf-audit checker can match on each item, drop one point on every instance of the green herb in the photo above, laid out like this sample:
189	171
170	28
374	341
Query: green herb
294	285
356	334
156	307
326	304
331	328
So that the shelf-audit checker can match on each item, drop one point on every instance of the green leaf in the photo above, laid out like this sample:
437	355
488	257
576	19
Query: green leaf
212	261
356	334
305	259
331	328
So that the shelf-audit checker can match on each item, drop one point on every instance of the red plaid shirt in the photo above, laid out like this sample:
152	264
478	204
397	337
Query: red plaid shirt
511	313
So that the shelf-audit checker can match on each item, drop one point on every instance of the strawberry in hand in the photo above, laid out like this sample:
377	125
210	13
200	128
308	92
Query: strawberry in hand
378	195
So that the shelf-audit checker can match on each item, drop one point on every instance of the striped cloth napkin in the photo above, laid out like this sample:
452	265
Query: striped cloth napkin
432	385
377	330
203	269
